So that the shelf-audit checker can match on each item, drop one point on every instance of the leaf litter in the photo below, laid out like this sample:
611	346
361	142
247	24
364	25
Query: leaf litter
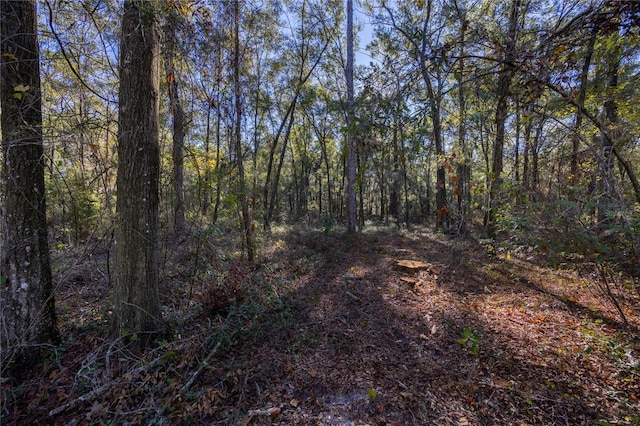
327	331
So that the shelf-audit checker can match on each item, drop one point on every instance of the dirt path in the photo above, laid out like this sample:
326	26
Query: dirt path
470	339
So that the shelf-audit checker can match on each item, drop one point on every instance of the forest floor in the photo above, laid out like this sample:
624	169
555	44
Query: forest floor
327	330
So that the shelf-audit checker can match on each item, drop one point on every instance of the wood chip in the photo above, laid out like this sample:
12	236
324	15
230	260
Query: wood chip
410	266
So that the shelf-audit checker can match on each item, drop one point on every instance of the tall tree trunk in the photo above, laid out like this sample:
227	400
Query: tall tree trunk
516	145
322	139
272	179
270	187
135	298
360	164
206	182
442	216
584	75
218	172
502	95
26	295
242	187
351	149
526	173
464	169
178	125
273	194
394	202
535	160
423	56
610	111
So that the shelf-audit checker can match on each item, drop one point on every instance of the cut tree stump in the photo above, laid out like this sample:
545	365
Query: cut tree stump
410	266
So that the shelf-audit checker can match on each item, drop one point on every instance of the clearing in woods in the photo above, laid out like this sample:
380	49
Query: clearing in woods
384	328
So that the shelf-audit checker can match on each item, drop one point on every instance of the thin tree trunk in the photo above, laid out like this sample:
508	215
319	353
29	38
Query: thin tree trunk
584	75
242	189
205	199
526	178
325	158
394	202
276	180
464	169
218	172
516	146
502	95
270	188
178	127
26	293
351	149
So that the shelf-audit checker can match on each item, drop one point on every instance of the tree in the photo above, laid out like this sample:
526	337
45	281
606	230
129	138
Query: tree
305	56
461	185
505	74
247	230
351	156
177	112
135	295
417	29
28	316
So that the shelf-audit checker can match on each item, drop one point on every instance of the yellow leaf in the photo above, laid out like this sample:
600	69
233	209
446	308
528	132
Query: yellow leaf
21	88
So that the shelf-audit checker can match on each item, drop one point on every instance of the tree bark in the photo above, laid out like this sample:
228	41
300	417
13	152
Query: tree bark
135	298
178	125
26	295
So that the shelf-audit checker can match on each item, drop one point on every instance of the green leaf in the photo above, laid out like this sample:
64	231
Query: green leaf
17	96
372	393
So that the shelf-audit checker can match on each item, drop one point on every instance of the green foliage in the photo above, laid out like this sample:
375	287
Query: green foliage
83	208
327	225
470	340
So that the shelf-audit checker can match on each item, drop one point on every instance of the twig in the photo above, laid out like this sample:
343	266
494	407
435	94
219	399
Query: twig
353	296
95	393
82	398
203	364
269	412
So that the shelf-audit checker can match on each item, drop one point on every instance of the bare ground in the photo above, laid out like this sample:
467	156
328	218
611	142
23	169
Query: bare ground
326	331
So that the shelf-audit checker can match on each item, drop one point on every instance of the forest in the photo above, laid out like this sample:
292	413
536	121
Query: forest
320	212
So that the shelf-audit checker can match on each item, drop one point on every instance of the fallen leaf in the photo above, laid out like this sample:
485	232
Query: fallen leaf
21	88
